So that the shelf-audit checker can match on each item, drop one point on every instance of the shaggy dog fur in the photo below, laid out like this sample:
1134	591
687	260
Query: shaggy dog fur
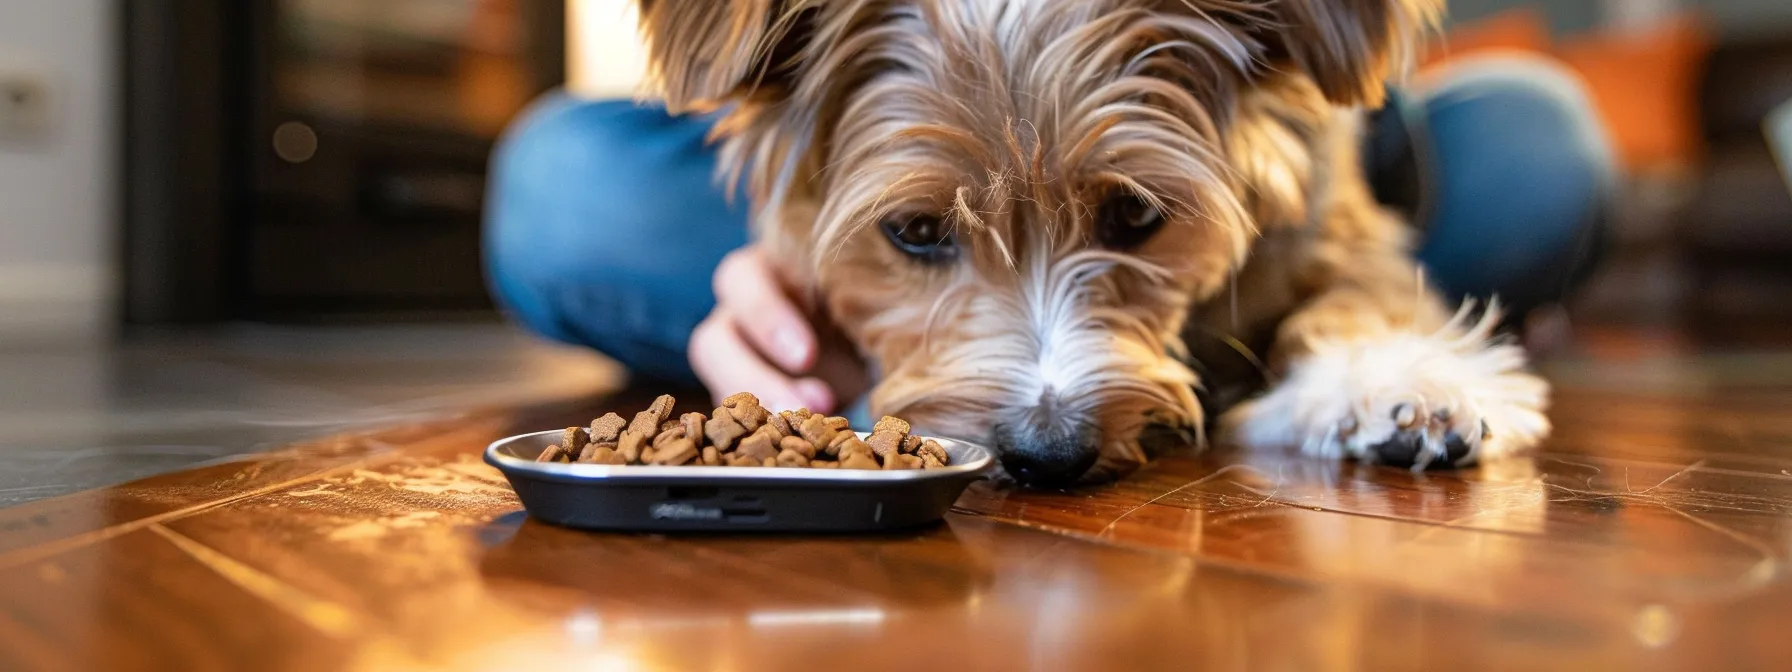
1139	206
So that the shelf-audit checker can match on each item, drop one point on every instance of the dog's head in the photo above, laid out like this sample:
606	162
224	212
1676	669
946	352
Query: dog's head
1010	204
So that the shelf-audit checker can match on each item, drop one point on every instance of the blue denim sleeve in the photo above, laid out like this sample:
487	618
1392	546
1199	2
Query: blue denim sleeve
604	225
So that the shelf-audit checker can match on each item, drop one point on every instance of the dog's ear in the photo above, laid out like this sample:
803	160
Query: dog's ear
1349	47
705	52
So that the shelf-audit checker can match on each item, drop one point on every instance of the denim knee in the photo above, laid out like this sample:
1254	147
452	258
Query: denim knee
1523	175
603	225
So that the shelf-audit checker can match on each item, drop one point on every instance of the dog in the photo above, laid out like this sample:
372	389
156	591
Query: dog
1063	226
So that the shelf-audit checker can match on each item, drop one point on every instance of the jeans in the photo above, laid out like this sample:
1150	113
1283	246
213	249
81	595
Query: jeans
605	222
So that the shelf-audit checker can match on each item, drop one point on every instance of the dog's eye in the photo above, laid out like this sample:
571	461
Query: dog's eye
923	237
1126	221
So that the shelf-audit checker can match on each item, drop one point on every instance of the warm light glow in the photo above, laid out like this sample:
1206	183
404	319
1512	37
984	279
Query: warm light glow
605	57
767	619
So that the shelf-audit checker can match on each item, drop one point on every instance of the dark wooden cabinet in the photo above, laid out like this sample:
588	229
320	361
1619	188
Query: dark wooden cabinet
320	159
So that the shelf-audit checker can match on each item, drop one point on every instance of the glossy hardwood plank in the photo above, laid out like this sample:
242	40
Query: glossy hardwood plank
989	596
1654	532
138	601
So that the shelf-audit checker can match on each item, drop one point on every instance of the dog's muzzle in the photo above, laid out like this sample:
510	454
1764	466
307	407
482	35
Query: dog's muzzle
1048	456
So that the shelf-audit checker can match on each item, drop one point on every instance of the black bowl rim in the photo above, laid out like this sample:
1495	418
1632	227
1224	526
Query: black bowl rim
968	459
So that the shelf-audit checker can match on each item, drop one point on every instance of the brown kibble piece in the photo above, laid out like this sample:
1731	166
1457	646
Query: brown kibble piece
629	444
738	398
798	445
751	421
676	453
817	431
648	422
858	460
839	438
749	415
645	425
573	440
885	444
933	448
666	436
591	449
662	406
771	425
722	430
603	455
746	410
759	446
693	425
744	433
607	428
780	422
887	437
911	444
892	424
853	446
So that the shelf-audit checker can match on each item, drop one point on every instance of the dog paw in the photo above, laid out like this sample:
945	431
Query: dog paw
1420	401
1403	433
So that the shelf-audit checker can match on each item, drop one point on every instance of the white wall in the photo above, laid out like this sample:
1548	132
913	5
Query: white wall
58	200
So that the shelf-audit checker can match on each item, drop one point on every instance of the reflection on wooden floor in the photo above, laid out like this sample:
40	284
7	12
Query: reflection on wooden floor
1653	532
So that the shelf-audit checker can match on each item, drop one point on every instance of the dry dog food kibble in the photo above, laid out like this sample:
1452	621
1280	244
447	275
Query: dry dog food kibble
647	423
722	430
607	428
742	433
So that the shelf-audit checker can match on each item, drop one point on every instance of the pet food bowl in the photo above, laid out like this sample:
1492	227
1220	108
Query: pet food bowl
731	499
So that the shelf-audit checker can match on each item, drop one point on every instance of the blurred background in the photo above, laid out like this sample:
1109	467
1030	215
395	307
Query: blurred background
1687	89
293	161
225	222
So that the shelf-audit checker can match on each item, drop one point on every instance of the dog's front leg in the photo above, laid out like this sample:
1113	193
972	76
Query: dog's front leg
1376	372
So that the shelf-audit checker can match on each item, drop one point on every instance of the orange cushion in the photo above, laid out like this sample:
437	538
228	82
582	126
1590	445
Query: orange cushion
1644	84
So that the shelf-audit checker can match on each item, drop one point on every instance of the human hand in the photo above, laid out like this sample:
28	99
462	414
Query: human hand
758	340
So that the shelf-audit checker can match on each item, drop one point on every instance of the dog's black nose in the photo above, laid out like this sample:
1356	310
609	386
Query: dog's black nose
1047	457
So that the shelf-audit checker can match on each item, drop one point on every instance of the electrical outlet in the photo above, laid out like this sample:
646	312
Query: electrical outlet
24	108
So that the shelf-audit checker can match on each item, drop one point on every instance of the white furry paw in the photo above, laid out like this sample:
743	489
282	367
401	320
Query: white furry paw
1454	397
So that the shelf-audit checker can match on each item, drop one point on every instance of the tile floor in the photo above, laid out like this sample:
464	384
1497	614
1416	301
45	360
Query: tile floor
80	417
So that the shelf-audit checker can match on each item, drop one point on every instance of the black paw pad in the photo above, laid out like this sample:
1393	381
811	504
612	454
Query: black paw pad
1400	450
1454	448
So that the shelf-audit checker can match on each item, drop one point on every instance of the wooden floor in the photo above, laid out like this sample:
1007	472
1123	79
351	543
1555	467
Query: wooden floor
1653	533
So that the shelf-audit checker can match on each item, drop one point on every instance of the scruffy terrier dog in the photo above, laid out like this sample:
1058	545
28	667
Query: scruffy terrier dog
1050	224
